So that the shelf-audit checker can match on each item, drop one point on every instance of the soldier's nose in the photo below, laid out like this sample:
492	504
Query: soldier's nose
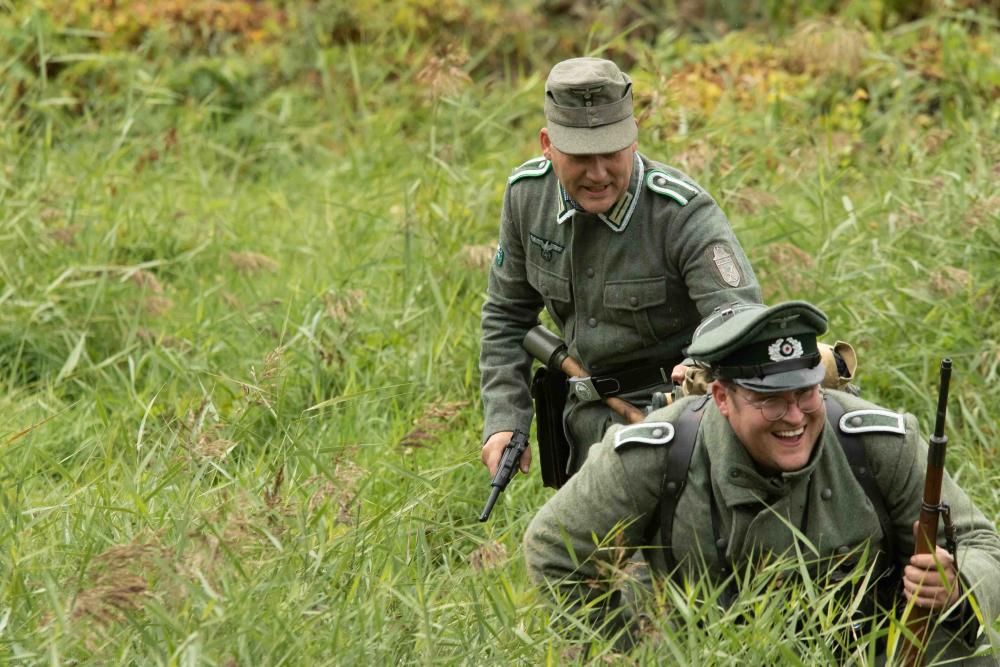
597	170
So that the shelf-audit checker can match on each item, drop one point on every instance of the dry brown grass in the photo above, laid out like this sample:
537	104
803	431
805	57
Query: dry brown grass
250	263
983	214
788	272
824	46
117	583
338	492
146	280
340	306
750	200
442	75
948	281
65	235
488	556
477	256
157	305
434	419
694	158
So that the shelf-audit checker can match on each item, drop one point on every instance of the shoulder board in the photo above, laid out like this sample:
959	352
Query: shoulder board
663	183
530	169
646	433
872	421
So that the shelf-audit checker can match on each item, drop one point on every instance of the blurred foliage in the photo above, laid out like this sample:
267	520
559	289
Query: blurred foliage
68	59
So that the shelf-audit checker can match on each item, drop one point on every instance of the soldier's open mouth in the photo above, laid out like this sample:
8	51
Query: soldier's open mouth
790	435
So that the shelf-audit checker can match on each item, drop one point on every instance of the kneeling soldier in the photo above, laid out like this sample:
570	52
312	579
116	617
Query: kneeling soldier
715	483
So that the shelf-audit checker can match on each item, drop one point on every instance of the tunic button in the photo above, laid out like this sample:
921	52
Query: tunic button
856	421
671	488
590	273
843	550
720	544
657	432
827	494
592	322
734	473
634	300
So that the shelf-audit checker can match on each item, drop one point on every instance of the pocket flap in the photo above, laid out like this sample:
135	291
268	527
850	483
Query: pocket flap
635	294
549	285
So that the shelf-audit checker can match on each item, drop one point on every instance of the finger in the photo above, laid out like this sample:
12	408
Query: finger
526	460
925	596
677	373
927	576
492	464
491	457
929	589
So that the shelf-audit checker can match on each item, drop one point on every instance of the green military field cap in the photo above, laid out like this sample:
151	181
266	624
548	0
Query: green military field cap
765	349
588	107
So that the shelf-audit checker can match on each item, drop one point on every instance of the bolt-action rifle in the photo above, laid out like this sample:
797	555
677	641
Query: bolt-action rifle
506	470
930	510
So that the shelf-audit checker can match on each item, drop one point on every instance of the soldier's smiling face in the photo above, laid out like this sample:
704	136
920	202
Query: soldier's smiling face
595	182
784	445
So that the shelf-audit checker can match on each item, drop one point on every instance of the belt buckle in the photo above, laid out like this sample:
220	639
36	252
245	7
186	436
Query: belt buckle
584	389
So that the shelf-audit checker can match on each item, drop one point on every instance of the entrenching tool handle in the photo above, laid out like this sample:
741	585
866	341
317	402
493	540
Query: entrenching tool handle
549	349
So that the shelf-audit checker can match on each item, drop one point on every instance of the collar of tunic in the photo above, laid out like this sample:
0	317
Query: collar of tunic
740	481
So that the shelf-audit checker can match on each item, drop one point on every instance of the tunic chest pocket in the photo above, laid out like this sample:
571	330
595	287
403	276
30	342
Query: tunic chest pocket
641	297
555	290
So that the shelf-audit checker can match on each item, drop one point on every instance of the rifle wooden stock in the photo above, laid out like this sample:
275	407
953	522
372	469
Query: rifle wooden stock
918	621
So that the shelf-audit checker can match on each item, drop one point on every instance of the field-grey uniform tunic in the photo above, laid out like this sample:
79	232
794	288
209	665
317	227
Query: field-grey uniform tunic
625	287
622	487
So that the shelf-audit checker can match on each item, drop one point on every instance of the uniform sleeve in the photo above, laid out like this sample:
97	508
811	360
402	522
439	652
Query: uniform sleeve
591	526
510	311
710	258
978	548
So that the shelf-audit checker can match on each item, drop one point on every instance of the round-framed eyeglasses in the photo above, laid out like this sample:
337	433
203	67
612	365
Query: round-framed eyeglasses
773	408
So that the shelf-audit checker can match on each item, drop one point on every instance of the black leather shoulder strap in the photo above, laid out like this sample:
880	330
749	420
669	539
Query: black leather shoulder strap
678	463
854	450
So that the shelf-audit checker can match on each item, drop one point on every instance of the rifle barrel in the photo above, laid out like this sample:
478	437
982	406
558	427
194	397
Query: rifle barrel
942	406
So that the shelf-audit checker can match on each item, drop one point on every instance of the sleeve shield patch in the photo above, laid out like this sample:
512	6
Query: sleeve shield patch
727	270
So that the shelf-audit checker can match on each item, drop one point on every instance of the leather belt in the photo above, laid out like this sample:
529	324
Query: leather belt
626	381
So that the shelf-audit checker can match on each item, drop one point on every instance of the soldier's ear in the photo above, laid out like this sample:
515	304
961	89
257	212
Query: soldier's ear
546	142
719	396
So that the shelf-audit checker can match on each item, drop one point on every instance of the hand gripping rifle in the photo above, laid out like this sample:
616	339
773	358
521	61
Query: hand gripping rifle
506	470
930	510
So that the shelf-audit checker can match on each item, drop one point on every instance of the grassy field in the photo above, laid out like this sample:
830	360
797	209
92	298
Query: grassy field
242	257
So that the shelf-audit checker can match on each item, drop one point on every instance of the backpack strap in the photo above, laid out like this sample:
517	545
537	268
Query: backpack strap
678	463
854	450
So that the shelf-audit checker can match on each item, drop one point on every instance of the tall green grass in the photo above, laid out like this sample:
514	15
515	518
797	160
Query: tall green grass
239	302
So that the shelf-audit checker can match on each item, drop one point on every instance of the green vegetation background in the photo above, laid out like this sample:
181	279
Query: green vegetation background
243	249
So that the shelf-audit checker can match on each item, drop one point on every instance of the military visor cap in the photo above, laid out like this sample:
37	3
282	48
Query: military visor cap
588	107
764	349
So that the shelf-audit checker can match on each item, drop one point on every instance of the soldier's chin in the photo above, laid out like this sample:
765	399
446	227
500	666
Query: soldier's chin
596	205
